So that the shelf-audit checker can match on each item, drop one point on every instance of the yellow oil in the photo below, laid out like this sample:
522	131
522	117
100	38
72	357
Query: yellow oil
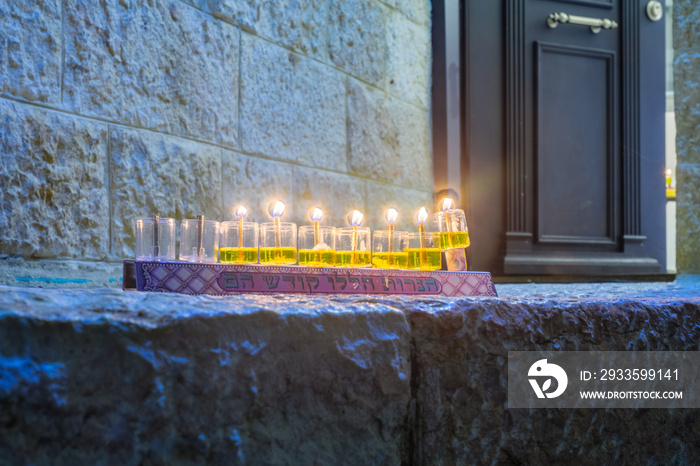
312	258
278	256
431	259
390	260
455	239
239	255
345	258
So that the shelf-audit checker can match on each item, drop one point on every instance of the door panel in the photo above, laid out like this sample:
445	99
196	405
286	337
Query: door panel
575	151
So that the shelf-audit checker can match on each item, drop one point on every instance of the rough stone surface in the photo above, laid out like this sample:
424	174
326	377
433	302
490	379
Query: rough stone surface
688	217
357	35
53	195
460	382
686	84
256	183
108	377
407	201
105	377
417	11
15	271
157	64
408	61
301	25
683	287
686	27
152	173
336	194
292	108
388	138
30	50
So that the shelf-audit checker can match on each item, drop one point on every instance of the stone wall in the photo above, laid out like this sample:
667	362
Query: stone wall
113	110
686	42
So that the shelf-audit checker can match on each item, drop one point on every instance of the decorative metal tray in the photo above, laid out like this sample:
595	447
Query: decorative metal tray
224	279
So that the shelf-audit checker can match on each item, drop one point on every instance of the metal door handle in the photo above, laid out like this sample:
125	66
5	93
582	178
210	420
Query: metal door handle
595	24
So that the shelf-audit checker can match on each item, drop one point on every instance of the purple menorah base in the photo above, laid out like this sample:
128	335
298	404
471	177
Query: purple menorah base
224	279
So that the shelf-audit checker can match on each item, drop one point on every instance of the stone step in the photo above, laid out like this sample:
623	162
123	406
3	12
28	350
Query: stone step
109	377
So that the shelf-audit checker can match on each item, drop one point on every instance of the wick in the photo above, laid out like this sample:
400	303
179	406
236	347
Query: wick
155	248
448	225
423	252
240	239
391	237
278	234
353	244
317	233
200	235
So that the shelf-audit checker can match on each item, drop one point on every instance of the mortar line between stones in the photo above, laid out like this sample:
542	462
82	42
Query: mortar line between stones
109	188
63	50
240	94
347	124
261	156
393	8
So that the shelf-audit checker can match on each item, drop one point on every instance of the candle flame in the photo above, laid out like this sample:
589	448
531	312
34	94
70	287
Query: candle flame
241	211
447	204
422	216
391	216
316	215
278	209
356	219
669	172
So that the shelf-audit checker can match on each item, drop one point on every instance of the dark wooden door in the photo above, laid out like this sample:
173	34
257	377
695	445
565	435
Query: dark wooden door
563	138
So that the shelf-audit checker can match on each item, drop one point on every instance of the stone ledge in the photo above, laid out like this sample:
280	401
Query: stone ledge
104	376
107	376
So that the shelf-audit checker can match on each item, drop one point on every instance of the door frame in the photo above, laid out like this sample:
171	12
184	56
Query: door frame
511	198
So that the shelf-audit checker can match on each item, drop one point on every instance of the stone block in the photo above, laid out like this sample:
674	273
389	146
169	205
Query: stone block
106	377
389	139
157	174
30	50
298	24
407	201
357	35
686	24
460	374
688	218
686	82
417	11
53	200
160	65
292	107
256	183
408	60
336	194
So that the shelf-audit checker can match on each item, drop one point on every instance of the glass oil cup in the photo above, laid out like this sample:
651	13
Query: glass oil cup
387	250
353	247
199	240
423	251
278	243
317	246
239	245
155	239
452	226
